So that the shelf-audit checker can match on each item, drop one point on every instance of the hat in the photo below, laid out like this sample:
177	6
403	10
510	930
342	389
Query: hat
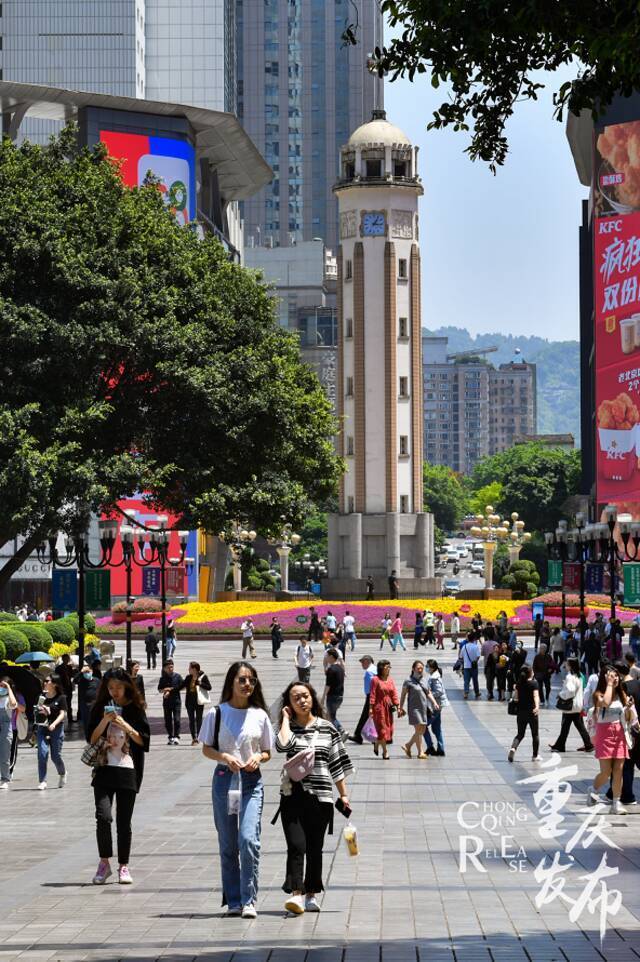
366	657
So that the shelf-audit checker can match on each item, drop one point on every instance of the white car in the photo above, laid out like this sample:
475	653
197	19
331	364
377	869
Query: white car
451	586
463	552
477	567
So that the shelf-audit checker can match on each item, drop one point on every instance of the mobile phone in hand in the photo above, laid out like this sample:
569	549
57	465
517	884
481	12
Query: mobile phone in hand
342	808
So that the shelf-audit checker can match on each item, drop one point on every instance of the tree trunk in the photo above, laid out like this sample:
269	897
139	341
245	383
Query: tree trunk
21	555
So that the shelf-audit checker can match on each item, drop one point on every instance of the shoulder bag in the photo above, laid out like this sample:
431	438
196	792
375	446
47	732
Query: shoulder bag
22	726
93	754
203	696
301	764
564	704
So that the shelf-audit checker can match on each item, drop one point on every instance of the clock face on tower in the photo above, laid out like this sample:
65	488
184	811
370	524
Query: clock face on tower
373	223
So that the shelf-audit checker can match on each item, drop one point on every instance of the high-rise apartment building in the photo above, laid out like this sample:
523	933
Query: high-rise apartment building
301	92
177	50
471	408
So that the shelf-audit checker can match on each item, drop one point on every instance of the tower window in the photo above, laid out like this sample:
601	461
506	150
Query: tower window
404	445
373	168
403	327
350	447
403	389
349	391
404	504
348	327
348	270
399	168
402	269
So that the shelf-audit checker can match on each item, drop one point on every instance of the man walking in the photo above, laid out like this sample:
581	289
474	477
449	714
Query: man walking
170	684
455	629
369	672
151	647
393	585
370	588
349	625
334	690
471	653
429	621
276	636
315	627
247	638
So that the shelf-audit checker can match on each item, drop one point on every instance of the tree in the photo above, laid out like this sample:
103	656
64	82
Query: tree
487	494
136	357
522	578
444	496
486	55
536	482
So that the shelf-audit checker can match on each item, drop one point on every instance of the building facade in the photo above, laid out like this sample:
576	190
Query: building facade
381	526
301	91
471	408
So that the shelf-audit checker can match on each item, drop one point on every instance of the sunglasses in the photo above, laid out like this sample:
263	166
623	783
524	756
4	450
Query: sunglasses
246	681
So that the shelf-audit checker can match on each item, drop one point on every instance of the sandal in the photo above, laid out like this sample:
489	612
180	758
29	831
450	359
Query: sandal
423	755
376	748
407	751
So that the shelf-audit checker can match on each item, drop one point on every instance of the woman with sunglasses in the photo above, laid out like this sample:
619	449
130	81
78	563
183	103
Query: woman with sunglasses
50	714
238	736
118	704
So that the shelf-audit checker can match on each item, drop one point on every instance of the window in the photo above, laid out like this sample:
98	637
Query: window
402	269
404	387
348	327
373	168
348	270
350	504
403	327
350	447
404	445
404	504
349	391
399	168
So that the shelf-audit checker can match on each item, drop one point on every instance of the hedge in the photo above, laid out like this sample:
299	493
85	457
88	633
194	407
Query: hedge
61	631
3	651
15	642
89	623
8	616
37	634
140	604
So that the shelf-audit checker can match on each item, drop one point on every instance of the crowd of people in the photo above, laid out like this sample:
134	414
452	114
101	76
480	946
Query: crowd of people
599	697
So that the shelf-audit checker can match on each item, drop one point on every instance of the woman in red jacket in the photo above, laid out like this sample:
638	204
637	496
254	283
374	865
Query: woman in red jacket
383	702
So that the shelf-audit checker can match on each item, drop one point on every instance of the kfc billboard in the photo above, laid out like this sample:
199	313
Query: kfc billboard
617	312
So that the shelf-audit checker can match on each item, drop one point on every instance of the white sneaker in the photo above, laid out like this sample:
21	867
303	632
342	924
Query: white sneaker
593	799
249	911
536	758
42	786
4	785
295	904
511	755
617	808
62	781
311	904
234	912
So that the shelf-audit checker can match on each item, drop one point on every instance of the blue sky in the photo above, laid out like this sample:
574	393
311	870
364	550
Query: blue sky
499	253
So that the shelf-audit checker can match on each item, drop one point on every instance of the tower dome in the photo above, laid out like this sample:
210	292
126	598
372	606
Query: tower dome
378	132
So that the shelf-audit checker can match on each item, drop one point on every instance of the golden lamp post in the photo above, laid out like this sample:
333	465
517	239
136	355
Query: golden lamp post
494	530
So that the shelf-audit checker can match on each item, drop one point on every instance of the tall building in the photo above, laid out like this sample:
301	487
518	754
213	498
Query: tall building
177	50
381	526
471	408
301	92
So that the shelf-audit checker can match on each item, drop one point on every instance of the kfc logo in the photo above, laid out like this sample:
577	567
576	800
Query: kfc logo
609	226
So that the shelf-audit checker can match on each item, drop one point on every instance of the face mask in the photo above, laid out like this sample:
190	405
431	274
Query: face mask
3	692
86	674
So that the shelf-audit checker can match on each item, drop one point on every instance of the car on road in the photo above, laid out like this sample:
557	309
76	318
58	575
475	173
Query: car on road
476	567
451	586
463	551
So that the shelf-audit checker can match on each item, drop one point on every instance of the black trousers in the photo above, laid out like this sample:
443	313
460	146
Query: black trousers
524	719
544	681
13	756
428	631
362	720
151	659
490	680
305	820
569	719
125	801
171	717
195	718
314	632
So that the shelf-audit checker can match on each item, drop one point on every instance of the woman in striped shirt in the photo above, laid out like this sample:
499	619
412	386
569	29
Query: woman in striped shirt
306	806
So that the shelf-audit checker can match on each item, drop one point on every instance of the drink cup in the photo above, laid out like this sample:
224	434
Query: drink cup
351	838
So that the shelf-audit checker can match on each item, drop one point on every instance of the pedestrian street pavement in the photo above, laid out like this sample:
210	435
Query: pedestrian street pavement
403	898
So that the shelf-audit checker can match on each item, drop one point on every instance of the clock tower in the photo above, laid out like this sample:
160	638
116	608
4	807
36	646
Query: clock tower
381	527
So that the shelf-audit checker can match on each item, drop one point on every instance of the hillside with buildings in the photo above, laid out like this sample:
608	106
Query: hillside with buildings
557	372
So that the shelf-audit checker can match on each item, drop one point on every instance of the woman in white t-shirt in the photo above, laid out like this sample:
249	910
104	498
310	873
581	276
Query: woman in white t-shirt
239	737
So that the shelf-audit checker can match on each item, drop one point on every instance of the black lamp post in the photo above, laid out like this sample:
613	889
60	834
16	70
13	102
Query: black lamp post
605	547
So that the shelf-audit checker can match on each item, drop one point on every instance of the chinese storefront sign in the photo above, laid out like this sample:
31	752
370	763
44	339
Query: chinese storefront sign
631	584
98	590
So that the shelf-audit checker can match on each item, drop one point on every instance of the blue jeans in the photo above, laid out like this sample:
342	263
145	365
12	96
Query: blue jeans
50	742
398	640
6	741
350	636
333	704
238	836
435	723
469	674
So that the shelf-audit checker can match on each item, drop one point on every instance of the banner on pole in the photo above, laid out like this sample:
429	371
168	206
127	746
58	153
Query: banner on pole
594	578
175	581
151	581
554	573
64	589
571	576
98	589
631	583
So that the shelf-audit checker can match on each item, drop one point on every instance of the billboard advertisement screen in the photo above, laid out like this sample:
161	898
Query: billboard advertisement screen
171	161
616	266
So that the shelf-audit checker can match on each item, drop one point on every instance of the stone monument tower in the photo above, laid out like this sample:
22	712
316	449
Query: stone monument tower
381	526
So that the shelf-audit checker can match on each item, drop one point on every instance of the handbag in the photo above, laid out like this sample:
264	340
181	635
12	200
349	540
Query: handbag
203	696
92	754
22	726
512	706
369	731
564	704
301	764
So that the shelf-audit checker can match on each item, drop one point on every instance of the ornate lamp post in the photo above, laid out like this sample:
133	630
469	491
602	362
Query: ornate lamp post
238	538
492	530
517	537
284	543
604	547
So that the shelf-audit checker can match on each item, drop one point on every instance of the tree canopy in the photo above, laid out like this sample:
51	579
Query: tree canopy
487	55
136	357
444	496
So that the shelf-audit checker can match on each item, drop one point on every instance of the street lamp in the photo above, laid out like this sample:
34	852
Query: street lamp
493	530
237	537
286	540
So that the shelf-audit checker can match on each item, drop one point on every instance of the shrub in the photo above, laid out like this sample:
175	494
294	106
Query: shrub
141	604
89	622
3	651
57	650
8	616
61	631
15	642
522	577
38	636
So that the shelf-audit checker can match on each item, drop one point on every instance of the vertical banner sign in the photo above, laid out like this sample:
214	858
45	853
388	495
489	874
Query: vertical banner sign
571	576
631	584
64	589
175	581
151	581
98	589
594	578
554	573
